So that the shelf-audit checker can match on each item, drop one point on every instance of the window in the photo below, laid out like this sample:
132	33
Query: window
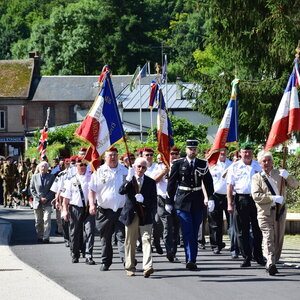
2	119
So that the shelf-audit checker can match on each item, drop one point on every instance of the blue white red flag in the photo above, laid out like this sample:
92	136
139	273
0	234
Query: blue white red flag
164	130
102	127
228	129
287	118
43	141
138	74
153	93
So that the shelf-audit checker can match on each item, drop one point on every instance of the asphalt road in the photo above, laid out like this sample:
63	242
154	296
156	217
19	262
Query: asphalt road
218	277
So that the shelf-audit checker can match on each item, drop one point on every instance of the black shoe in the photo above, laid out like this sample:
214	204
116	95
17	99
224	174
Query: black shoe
75	260
272	270
89	261
170	257
245	264
191	266
46	241
201	246
40	240
158	249
216	251
261	261
103	267
223	245
67	244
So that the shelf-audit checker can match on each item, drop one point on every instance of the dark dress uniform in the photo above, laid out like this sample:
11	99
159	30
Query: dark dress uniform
185	193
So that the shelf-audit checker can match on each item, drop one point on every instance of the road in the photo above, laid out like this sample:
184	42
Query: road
218	277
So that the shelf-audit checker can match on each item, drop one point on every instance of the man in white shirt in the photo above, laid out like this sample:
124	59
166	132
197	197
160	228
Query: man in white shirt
242	205
215	217
104	187
75	209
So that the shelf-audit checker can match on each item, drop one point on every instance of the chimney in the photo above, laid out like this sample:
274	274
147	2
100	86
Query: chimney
179	90
37	63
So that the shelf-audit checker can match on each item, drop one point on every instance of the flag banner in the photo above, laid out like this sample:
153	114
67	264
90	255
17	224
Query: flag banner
164	130
287	118
132	83
153	93
102	127
104	71
43	141
138	74
164	71
228	129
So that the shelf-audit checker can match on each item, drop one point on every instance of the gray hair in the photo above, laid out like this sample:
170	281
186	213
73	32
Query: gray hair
261	154
140	160
43	163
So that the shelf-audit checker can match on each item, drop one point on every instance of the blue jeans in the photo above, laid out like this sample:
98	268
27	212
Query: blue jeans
190	223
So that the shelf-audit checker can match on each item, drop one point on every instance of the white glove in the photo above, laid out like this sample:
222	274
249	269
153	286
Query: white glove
168	208
139	198
211	205
284	173
130	174
277	199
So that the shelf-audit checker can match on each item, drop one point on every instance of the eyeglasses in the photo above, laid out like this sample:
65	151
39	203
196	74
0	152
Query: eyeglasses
143	167
149	154
81	165
174	153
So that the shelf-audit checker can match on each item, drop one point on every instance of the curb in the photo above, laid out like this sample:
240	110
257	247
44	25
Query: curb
5	232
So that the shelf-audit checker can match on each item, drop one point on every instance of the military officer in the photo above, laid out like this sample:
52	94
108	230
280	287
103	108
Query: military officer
10	176
186	196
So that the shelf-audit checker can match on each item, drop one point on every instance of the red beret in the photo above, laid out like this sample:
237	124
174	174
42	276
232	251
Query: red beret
73	158
67	160
112	149
148	149
175	149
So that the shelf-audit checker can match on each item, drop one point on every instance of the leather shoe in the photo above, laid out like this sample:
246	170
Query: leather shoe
159	249
67	244
46	241
191	266
148	272
89	261
130	273
245	264
261	261
170	257
75	260
272	270
103	267
216	251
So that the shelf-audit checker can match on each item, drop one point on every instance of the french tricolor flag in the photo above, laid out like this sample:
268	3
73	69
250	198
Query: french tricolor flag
164	130
287	118
228	129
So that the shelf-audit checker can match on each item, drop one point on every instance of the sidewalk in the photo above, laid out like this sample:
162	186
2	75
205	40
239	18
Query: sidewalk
20	281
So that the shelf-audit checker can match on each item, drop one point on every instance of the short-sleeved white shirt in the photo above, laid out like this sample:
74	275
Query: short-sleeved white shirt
217	171
162	185
240	176
106	183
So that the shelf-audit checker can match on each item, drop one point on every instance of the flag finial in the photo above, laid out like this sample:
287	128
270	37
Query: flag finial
298	50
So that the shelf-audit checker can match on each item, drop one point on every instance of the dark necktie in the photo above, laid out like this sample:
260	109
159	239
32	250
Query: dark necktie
192	164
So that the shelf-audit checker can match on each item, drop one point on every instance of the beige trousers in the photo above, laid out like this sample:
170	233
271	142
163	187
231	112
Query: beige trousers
273	235
43	221
131	236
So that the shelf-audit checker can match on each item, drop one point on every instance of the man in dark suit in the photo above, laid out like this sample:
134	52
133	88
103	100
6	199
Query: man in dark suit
138	214
42	196
185	194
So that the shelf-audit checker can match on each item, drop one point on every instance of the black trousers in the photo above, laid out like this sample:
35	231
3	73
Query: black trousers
201	232
170	226
82	231
107	222
245	216
215	221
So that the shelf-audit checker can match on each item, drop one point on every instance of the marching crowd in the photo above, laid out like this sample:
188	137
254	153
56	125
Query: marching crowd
134	202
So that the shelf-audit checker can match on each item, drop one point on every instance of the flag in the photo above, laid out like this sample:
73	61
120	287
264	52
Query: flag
164	71
164	130
153	93
287	118
102	127
43	141
228	129
104	71
138	74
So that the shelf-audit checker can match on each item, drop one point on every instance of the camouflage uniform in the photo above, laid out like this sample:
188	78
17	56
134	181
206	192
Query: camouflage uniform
10	176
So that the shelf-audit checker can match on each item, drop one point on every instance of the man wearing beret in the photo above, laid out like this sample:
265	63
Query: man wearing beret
186	196
268	191
243	206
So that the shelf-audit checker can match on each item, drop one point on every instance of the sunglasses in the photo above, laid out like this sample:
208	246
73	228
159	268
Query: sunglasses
174	153
149	154
143	167
81	165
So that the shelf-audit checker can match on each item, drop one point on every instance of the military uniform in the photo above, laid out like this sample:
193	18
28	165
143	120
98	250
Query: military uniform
10	177
185	193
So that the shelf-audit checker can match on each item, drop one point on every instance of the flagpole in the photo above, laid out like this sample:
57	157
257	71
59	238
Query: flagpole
141	121
166	82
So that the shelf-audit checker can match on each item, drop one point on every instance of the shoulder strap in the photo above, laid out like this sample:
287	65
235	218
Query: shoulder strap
264	177
81	192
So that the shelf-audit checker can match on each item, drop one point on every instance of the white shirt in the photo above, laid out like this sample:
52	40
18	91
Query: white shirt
217	171
161	186
72	191
150	170
240	175
106	183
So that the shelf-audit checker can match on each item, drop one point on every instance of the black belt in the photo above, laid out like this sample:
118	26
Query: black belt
245	195
220	195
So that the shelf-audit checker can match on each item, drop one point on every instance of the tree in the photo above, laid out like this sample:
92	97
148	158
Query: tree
256	40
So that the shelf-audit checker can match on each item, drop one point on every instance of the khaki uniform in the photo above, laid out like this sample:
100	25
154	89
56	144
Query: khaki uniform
272	230
10	176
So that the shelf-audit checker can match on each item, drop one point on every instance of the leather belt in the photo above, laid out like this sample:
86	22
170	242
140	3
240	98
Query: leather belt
186	188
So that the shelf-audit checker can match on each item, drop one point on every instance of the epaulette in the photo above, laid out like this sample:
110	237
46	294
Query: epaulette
61	173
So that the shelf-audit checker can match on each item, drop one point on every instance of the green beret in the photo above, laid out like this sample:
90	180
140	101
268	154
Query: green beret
247	146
